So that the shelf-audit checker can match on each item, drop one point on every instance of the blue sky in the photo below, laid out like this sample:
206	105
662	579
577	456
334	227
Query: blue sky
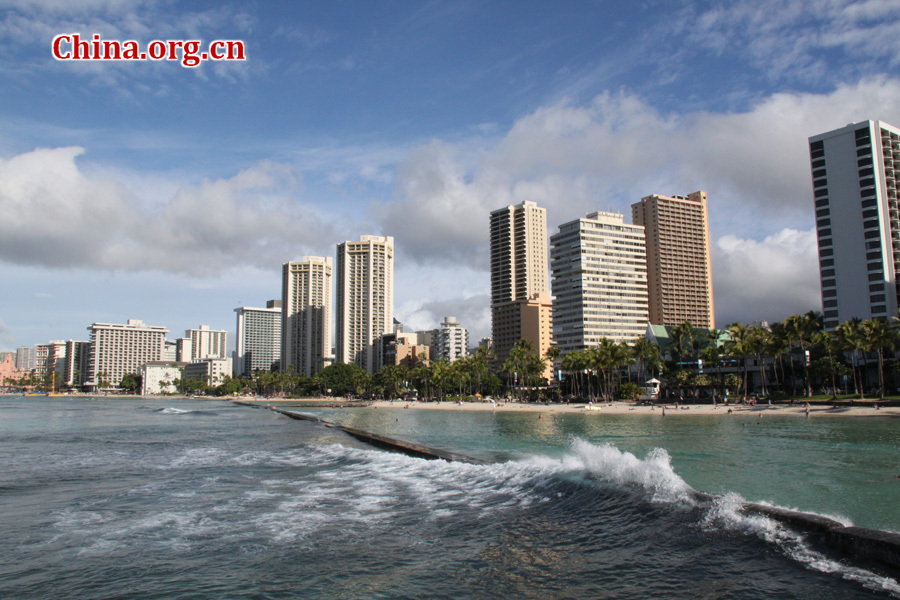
148	190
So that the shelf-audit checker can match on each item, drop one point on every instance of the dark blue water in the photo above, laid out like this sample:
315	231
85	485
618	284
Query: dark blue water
191	499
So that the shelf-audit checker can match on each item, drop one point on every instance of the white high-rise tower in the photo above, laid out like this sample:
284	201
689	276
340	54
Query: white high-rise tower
855	193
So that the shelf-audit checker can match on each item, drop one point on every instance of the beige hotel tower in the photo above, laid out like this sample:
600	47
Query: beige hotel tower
365	300
306	315
520	302
679	275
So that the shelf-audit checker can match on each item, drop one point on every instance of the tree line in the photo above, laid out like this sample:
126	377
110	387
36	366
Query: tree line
792	357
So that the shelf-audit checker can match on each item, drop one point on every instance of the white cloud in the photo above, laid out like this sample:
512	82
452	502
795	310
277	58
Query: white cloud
55	215
765	280
813	41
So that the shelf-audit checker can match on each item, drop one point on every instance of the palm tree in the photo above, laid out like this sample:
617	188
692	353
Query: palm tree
877	336
802	328
852	338
778	346
832	344
684	335
758	339
739	347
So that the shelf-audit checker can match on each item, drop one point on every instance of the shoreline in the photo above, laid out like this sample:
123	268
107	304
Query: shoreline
797	409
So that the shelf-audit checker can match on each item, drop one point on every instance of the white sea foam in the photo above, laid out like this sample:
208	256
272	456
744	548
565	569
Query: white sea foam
174	411
725	513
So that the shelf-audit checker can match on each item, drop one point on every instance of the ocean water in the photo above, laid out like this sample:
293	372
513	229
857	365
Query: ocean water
205	499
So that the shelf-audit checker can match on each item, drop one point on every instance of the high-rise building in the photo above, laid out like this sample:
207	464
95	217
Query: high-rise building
679	272
25	358
49	359
258	346
202	343
306	315
855	194
450	341
365	299
518	274
77	362
599	281
119	349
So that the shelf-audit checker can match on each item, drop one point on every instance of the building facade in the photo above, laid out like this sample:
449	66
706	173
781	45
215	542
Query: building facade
518	273
599	273
855	194
49	358
25	358
77	363
201	343
258	345
679	271
159	377
365	300
211	371
306	315
404	348
450	341
119	349
8	370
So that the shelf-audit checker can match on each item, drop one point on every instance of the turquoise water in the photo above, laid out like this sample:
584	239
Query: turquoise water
193	499
843	467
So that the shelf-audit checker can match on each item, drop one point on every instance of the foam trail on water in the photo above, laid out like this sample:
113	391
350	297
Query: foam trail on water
725	513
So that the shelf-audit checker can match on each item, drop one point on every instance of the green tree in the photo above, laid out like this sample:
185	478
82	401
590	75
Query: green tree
739	347
877	336
131	383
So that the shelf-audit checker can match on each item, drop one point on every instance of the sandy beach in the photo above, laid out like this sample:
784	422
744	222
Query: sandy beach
797	409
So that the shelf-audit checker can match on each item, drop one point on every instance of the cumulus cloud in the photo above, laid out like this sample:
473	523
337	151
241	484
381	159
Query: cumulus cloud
765	280
606	154
56	216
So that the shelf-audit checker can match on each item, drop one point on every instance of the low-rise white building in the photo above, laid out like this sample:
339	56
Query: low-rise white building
211	371
159	377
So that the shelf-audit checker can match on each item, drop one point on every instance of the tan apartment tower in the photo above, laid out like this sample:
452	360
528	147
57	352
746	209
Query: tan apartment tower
520	302
365	300
306	315
679	273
